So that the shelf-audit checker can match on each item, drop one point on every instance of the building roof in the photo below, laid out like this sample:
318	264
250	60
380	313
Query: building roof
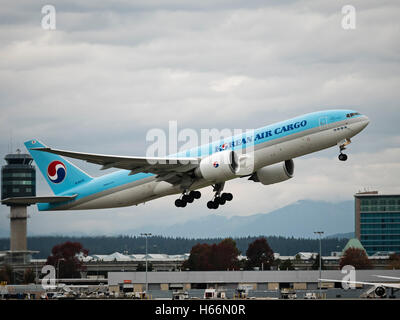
221	277
375	194
353	243
116	256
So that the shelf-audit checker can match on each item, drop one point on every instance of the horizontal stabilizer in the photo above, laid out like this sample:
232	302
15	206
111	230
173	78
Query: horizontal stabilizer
33	200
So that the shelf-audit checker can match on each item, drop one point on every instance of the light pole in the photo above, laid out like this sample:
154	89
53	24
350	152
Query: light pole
320	233
146	235
58	266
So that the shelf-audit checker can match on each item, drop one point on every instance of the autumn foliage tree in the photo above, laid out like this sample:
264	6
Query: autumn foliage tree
6	274
259	254
29	276
355	257
215	257
64	257
394	261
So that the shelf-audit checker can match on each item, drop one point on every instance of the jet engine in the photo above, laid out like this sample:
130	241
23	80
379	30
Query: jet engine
275	173
218	167
380	291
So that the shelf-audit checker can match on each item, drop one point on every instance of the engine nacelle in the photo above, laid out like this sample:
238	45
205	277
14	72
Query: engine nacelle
244	164
273	174
380	291
218	167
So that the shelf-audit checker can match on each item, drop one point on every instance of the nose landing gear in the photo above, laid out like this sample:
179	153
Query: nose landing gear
342	146
342	157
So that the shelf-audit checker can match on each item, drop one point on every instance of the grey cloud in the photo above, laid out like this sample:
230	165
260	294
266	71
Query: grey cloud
113	71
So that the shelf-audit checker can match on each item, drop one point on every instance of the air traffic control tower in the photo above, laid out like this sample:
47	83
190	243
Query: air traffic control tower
18	179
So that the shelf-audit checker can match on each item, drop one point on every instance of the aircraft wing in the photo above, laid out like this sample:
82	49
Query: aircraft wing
33	200
377	284
165	167
387	277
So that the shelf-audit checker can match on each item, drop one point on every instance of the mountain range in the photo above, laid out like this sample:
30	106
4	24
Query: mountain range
298	220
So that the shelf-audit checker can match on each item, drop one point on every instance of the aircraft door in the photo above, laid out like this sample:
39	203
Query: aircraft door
323	123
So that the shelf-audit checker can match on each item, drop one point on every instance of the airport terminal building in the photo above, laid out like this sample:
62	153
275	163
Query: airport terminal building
377	222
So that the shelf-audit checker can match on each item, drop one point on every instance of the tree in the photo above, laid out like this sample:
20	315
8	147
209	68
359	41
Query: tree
29	276
142	266
199	258
356	258
259	254
205	257
6	274
286	265
315	265
225	255
64	257
394	261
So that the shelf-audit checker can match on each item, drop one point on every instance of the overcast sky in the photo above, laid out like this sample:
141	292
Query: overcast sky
112	71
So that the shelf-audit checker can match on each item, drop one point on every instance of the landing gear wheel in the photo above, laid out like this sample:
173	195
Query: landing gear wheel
195	194
210	204
187	198
180	203
342	157
227	196
219	198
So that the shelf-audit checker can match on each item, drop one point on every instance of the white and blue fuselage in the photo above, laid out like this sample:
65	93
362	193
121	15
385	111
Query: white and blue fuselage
270	145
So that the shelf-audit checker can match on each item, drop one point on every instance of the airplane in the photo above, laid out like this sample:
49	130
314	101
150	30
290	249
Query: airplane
378	288
264	156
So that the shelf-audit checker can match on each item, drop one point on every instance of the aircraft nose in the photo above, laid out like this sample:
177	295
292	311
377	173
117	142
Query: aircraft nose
365	121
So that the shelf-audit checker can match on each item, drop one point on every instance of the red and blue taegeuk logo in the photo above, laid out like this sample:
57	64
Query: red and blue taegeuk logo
56	171
215	164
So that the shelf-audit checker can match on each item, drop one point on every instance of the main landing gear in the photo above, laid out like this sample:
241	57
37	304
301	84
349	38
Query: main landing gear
342	146
187	197
219	199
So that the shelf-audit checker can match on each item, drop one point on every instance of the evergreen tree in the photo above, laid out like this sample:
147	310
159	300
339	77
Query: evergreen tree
286	265
315	265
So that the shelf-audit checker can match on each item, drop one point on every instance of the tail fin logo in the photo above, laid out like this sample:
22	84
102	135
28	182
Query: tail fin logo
56	171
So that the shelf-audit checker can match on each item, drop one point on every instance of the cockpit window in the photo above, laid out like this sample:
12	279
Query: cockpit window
349	115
